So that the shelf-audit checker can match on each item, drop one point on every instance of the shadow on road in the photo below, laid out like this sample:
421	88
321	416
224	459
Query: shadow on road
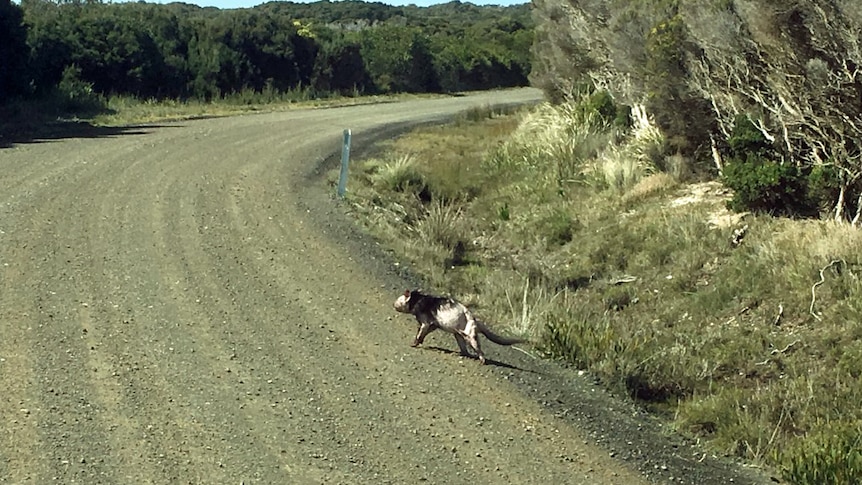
487	360
59	130
11	134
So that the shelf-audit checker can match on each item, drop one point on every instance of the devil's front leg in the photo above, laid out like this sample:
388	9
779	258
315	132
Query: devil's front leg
424	329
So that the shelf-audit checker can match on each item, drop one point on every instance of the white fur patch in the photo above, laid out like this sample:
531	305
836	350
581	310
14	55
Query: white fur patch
451	315
401	304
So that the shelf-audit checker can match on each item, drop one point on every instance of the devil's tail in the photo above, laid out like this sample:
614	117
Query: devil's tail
497	339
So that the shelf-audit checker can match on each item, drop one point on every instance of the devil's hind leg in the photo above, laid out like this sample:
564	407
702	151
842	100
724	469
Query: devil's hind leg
473	342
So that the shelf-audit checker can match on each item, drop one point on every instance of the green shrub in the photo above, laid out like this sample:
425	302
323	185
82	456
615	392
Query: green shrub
747	140
760	183
824	186
617	298
503	212
441	225
579	341
555	228
76	96
766	186
602	104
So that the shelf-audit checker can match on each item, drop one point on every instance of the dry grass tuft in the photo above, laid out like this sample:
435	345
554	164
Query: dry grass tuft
655	184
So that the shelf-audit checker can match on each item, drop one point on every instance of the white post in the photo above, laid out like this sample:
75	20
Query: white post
345	160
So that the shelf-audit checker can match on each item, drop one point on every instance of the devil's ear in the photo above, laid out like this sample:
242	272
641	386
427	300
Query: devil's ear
407	293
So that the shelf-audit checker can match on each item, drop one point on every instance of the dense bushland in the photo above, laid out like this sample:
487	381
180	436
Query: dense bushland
183	52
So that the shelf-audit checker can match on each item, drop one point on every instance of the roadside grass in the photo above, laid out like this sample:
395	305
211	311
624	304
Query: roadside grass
589	241
98	110
123	110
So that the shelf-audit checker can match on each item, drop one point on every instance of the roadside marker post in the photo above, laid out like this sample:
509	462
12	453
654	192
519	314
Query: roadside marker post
345	160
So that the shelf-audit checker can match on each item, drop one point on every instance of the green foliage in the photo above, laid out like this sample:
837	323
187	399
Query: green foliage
555	228
579	341
13	52
180	51
441	226
746	140
556	143
503	212
617	298
766	186
824	185
683	117
399	59
340	68
602	103
761	184
832	456
401	175
77	96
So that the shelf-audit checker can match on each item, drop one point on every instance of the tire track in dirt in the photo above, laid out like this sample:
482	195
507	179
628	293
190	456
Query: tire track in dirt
63	409
218	332
186	431
17	376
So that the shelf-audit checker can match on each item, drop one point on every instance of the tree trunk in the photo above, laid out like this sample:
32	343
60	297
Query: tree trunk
839	207
855	221
716	156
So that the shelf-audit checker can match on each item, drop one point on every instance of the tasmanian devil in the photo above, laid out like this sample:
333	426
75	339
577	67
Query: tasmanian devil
433	312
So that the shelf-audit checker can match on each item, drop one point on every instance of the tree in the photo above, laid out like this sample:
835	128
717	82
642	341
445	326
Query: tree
180	50
13	51
339	68
421	76
386	51
249	49
47	34
171	34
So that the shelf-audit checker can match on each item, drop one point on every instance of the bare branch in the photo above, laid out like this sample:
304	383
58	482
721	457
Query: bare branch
780	314
822	280
855	221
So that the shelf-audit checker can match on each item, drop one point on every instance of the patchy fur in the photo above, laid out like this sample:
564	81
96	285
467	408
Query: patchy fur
433	312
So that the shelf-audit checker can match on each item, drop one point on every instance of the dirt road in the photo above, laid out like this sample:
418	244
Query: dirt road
186	304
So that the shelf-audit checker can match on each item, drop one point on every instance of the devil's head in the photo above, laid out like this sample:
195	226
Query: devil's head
403	304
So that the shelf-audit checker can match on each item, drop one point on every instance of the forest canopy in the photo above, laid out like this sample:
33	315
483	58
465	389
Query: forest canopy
181	51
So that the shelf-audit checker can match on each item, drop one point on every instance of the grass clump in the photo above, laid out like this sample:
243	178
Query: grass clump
585	237
832	456
398	175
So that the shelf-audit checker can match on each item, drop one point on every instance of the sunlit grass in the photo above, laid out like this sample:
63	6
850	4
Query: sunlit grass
123	110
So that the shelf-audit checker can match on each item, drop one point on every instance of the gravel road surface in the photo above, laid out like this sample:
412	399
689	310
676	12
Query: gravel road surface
186	303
